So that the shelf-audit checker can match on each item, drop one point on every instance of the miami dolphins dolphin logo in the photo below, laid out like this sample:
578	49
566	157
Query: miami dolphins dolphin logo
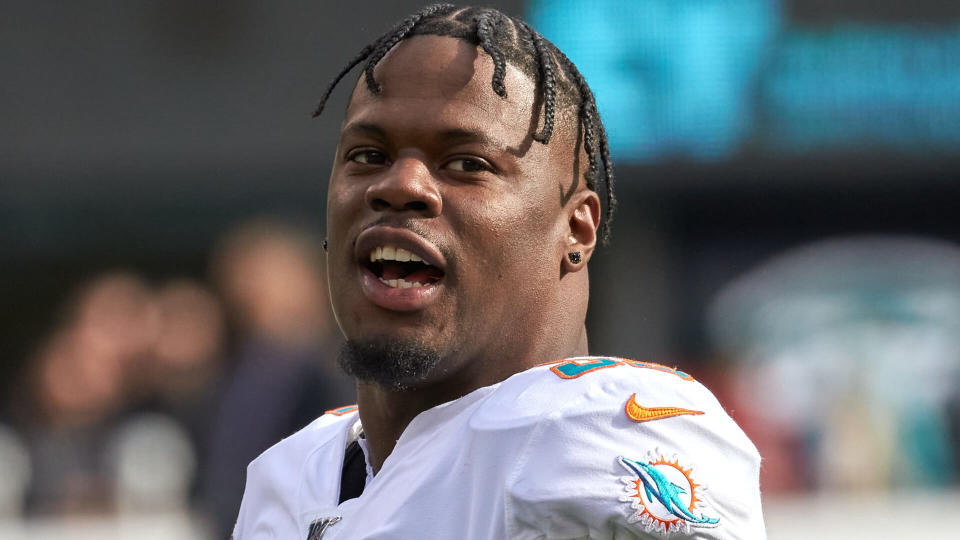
664	495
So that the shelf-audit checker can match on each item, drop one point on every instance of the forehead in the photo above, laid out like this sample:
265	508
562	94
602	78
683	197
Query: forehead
428	79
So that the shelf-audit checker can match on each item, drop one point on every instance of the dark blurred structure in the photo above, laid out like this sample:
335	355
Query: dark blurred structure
136	133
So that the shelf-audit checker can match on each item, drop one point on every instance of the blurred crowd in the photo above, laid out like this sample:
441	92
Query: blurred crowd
840	359
154	396
843	364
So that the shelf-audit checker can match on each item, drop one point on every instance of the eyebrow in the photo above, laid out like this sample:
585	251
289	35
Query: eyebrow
462	136
449	136
363	128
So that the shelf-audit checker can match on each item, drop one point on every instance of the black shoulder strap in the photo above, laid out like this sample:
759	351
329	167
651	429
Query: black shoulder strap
353	478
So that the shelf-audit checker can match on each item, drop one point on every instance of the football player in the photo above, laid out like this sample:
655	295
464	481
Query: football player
470	188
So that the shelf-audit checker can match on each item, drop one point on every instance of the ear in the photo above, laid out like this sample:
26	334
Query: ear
583	220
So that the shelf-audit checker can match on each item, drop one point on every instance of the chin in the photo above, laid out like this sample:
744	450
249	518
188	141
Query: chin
394	363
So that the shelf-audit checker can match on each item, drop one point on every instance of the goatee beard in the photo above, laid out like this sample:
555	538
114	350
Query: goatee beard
391	363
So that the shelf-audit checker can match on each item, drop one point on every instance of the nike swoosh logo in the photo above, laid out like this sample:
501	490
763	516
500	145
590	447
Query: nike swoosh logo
639	413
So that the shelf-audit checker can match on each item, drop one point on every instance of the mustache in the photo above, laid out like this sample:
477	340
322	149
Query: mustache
417	227
400	223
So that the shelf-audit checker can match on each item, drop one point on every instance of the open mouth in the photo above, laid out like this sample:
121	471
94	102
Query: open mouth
402	269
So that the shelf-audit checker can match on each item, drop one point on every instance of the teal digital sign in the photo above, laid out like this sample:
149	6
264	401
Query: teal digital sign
706	79
889	86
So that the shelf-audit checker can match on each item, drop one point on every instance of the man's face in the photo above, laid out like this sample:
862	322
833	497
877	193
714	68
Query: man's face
438	167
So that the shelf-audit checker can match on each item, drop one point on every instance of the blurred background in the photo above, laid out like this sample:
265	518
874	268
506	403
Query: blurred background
789	181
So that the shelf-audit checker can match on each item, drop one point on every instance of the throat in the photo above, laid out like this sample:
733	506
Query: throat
386	415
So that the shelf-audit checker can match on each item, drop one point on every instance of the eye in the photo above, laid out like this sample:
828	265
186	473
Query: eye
367	157
468	165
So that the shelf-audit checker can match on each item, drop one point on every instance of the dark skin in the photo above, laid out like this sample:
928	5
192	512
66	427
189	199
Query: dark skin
440	162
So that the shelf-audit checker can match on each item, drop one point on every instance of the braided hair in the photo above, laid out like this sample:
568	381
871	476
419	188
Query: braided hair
506	39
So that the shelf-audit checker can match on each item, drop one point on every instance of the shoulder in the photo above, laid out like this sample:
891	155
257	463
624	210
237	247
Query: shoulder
579	387
287	456
622	445
275	492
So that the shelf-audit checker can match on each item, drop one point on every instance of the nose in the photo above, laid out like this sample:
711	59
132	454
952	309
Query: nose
408	185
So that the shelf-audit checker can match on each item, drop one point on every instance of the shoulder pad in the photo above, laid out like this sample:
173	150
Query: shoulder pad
617	446
277	486
590	385
299	444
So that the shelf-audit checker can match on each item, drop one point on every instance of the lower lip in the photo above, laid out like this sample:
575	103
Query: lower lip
395	298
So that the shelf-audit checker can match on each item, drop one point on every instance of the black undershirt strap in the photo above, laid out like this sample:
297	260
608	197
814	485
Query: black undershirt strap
353	478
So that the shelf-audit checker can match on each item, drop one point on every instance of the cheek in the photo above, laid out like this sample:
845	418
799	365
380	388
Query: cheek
532	218
511	234
343	200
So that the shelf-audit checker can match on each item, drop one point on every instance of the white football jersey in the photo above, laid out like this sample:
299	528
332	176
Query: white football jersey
583	448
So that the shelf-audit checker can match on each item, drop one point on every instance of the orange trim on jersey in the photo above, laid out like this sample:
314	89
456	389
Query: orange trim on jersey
551	363
341	411
660	367
639	413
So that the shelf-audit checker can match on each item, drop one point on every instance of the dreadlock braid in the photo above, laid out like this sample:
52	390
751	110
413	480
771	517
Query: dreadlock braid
588	117
545	62
485	33
590	145
506	39
396	36
609	180
343	72
594	132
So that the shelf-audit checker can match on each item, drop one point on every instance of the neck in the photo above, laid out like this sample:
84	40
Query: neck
386	413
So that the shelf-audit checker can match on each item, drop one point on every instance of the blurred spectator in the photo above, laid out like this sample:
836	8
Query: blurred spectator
78	389
177	389
187	353
122	396
284	360
181	375
153	464
15	470
848	356
127	405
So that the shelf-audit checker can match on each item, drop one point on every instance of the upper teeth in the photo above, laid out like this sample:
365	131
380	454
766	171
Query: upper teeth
391	253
